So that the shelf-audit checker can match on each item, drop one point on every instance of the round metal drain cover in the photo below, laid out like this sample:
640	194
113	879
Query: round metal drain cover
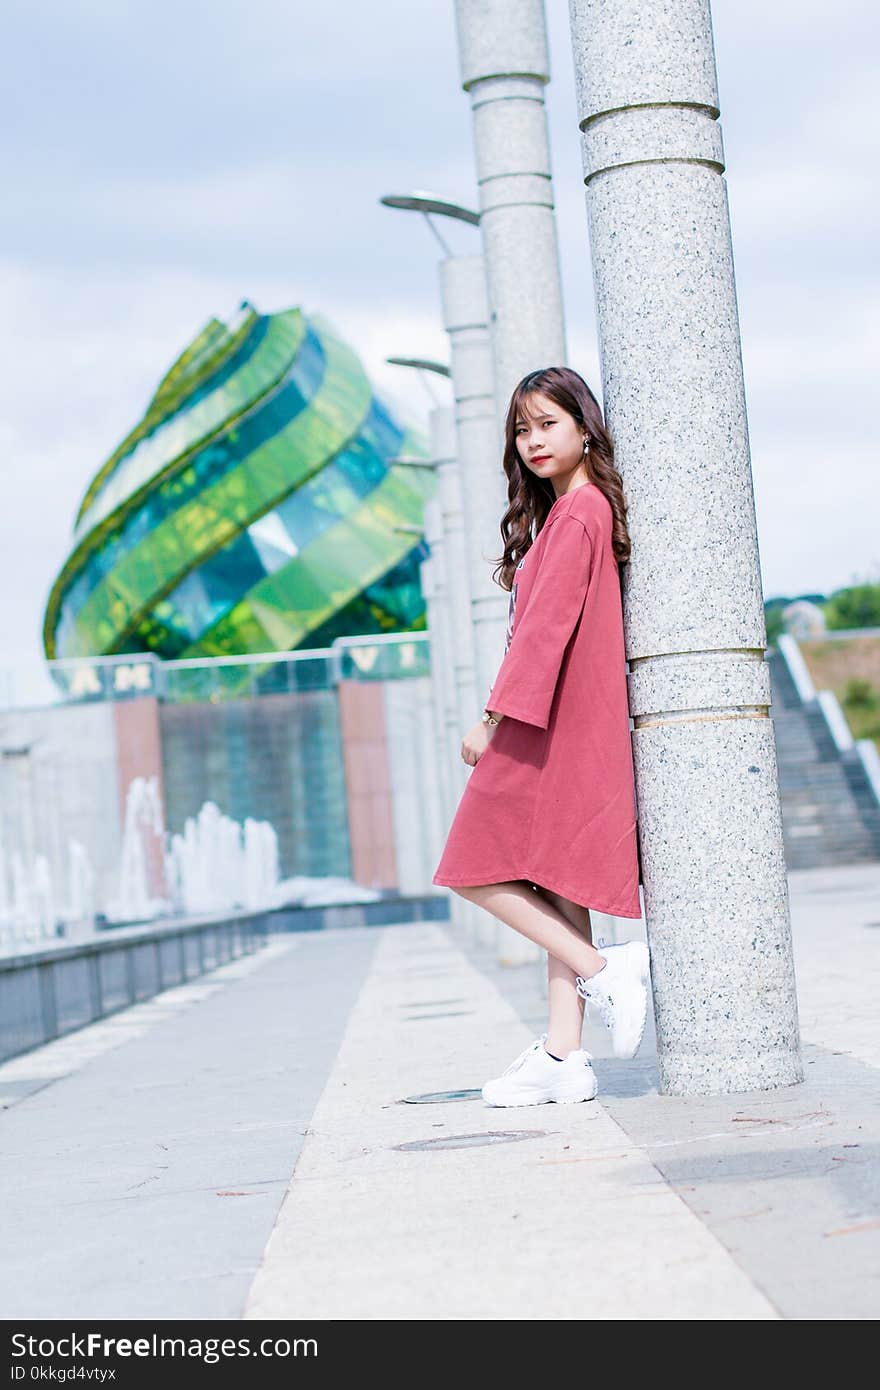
436	1097
471	1141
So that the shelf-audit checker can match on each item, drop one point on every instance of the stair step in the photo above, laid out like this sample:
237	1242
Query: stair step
830	814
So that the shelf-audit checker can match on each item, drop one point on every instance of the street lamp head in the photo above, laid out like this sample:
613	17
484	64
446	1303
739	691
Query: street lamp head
423	363
419	201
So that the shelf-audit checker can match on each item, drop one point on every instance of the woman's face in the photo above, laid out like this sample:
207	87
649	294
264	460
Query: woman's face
551	442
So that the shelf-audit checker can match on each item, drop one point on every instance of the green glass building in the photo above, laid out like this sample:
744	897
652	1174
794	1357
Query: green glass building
260	505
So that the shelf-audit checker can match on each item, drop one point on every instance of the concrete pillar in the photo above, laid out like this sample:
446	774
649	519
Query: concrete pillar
432	575
481	494
504	67
448	626
455	685
465	704
716	894
429	785
433	579
483	485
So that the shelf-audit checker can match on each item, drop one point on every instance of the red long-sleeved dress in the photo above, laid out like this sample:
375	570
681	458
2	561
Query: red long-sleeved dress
552	798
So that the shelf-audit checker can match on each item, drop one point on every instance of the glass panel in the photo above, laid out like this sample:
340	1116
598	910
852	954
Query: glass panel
263	479
207	466
327	575
253	370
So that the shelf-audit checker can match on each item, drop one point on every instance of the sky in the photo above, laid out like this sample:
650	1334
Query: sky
164	161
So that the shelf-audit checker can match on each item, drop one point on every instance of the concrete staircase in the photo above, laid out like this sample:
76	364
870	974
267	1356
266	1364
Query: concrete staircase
830	814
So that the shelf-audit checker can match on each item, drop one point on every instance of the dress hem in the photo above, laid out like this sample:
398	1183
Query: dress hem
555	887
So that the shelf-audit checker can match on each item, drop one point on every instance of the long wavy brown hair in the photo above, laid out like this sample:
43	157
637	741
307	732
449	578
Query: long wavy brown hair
529	497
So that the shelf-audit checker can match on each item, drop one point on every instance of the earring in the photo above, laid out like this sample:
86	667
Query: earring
586	443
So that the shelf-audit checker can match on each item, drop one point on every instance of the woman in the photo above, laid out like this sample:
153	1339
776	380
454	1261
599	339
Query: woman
546	827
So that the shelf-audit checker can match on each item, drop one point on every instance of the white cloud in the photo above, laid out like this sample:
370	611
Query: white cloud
804	203
817	516
152	184
829	342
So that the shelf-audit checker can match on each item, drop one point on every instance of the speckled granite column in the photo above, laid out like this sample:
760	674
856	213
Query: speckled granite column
432	576
458	658
482	499
716	894
449	621
504	67
482	483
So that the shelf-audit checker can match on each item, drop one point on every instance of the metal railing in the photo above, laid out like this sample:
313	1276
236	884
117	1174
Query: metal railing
51	989
384	656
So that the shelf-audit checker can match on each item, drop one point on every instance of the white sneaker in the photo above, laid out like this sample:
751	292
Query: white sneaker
534	1077
619	992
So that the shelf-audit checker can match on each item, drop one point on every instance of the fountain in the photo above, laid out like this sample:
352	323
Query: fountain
29	910
214	864
142	892
79	918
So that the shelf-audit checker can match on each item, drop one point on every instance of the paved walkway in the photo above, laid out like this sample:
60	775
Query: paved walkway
232	1148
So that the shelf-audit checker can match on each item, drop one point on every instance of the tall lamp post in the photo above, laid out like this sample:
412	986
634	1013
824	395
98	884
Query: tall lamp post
469	615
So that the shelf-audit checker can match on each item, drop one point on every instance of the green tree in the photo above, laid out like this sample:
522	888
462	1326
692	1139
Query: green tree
860	694
773	620
857	606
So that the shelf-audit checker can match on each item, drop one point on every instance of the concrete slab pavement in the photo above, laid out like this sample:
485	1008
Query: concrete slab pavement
755	1205
143	1159
232	1149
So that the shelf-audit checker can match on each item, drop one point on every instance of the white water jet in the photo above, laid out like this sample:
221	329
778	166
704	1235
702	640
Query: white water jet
143	838
260	863
215	865
81	884
27	899
43	897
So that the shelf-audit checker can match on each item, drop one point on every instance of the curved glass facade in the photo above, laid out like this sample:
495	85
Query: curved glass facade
259	506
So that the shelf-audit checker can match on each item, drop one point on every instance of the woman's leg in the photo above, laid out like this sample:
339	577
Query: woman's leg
565	938
565	1005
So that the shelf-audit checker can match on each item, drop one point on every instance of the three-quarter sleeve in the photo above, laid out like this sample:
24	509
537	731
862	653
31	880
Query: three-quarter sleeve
527	677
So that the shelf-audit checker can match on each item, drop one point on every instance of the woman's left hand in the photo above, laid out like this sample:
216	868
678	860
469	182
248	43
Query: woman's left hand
475	742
